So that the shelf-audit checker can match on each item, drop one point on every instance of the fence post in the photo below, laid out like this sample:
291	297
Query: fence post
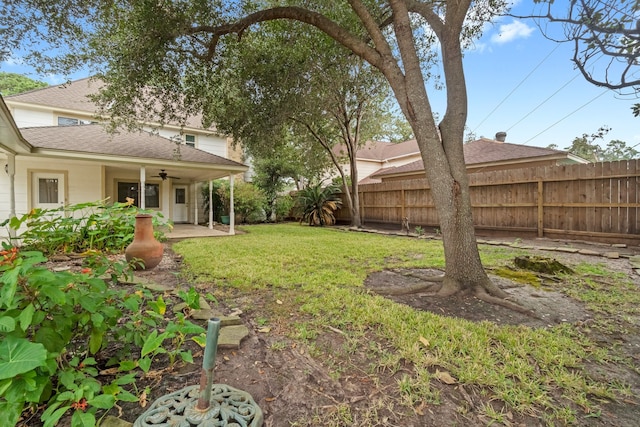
540	208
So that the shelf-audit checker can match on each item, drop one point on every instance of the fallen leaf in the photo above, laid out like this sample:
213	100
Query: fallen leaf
264	330
143	399
278	302
445	377
424	341
420	408
110	371
226	358
269	399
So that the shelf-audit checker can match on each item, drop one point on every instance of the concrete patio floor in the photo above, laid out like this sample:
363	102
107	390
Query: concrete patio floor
187	231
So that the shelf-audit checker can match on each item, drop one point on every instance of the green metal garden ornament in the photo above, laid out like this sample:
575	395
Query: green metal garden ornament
206	405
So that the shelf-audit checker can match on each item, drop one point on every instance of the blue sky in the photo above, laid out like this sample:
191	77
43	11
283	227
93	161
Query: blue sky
521	83
526	85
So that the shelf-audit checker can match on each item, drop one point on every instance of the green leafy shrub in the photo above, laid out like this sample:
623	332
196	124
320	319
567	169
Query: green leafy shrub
317	204
284	205
93	226
56	326
220	206
248	201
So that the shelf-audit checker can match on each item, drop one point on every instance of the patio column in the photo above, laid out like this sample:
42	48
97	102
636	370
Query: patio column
10	168
194	197
211	204
143	178
232	215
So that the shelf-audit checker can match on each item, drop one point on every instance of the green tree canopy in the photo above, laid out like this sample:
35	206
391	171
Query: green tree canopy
12	83
588	147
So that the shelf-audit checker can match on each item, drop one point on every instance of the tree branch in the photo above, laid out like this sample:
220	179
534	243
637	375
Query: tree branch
326	25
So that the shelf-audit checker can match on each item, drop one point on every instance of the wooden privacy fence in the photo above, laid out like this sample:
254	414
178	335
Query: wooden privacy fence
595	201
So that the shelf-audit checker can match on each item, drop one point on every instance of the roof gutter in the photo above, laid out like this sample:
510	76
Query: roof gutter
48	152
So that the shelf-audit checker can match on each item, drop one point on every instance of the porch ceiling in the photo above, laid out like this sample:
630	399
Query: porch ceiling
178	174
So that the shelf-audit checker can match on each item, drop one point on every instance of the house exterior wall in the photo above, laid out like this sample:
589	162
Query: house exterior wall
26	118
366	168
83	183
210	143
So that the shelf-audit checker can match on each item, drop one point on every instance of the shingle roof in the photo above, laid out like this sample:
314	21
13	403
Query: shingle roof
488	150
74	96
381	151
94	139
386	150
482	151
71	96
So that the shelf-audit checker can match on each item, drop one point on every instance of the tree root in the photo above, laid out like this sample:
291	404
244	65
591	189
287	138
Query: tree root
413	289
483	296
442	286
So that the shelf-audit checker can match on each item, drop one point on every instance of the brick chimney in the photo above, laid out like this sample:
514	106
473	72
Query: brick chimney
501	136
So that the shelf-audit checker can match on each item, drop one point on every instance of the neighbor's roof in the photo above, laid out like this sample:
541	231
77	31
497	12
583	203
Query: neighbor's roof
94	139
483	151
73	96
381	151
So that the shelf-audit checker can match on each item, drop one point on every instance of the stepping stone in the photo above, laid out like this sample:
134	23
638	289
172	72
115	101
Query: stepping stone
612	255
568	250
588	252
231	336
206	314
635	261
204	305
148	284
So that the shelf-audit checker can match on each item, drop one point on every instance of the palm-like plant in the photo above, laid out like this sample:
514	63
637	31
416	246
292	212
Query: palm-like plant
317	204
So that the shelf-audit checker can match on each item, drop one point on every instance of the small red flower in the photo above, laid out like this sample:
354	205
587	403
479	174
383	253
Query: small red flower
80	405
85	271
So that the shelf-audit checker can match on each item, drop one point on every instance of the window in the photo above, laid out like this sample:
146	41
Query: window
130	189
47	190
190	140
181	196
69	121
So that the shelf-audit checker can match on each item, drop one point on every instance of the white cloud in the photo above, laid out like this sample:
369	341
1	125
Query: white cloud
512	31
54	79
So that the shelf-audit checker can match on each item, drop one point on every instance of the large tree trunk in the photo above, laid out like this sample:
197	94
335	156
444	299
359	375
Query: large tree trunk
441	148
356	221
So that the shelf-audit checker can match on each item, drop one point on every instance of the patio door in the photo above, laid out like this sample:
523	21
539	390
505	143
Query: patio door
48	190
180	207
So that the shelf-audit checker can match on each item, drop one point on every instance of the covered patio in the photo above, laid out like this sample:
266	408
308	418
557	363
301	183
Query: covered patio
187	231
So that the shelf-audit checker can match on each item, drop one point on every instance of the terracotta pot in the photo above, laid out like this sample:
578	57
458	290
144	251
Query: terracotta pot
144	247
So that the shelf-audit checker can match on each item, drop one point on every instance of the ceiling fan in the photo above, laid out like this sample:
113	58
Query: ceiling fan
163	175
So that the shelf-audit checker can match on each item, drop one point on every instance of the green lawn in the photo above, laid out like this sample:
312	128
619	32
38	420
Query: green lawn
319	274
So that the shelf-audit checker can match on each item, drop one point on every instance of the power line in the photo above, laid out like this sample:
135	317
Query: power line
568	115
543	102
517	86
